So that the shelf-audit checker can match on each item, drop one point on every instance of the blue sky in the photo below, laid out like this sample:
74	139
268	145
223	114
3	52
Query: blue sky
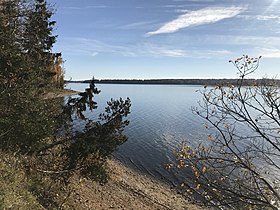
139	39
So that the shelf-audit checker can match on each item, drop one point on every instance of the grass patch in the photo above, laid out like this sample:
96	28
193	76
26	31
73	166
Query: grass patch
14	193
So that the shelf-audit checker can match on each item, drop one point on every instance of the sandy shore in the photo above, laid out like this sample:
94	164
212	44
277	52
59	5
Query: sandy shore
129	190
60	93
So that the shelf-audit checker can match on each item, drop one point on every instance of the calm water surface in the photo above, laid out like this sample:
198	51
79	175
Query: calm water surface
160	119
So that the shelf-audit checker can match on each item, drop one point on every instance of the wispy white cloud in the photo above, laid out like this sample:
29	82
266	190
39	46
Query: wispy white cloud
91	47
173	6
94	54
266	46
87	7
182	10
193	0
97	7
269	52
211	53
261	41
137	25
72	8
199	17
163	51
242	42
260	17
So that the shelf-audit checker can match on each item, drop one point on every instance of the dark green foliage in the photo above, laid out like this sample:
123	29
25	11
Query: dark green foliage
80	104
38	29
26	41
40	133
10	54
67	154
85	152
39	40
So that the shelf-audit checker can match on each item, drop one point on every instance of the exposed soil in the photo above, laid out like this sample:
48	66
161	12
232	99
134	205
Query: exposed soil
129	190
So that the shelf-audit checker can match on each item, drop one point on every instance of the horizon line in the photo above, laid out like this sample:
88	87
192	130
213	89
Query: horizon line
140	79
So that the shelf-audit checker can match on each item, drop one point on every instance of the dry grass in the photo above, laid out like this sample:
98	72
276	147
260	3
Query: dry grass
125	190
14	184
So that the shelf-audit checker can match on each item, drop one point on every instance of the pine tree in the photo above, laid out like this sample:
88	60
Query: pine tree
25	64
26	41
11	60
39	41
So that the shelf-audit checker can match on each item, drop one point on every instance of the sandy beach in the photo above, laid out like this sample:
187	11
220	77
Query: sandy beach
129	190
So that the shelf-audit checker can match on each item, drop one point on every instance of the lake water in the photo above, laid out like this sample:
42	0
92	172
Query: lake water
160	119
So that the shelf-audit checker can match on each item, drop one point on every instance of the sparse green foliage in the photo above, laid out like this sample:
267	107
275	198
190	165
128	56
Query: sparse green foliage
238	167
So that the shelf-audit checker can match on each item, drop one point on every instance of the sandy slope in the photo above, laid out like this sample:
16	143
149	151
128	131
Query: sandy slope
60	93
129	190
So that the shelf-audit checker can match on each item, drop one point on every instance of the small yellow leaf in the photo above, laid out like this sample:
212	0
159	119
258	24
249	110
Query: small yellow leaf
204	169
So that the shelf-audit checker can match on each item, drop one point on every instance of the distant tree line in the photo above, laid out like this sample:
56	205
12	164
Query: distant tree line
209	82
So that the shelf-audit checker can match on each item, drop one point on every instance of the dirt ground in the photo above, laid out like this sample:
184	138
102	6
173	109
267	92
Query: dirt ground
129	190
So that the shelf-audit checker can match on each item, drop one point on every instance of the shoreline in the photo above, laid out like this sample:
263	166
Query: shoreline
129	190
60	93
199	82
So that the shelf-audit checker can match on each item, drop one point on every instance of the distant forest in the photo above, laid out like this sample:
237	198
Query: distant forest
210	82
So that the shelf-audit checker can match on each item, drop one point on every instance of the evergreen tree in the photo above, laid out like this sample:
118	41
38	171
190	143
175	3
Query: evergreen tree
25	59
37	133
38	41
11	60
26	40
